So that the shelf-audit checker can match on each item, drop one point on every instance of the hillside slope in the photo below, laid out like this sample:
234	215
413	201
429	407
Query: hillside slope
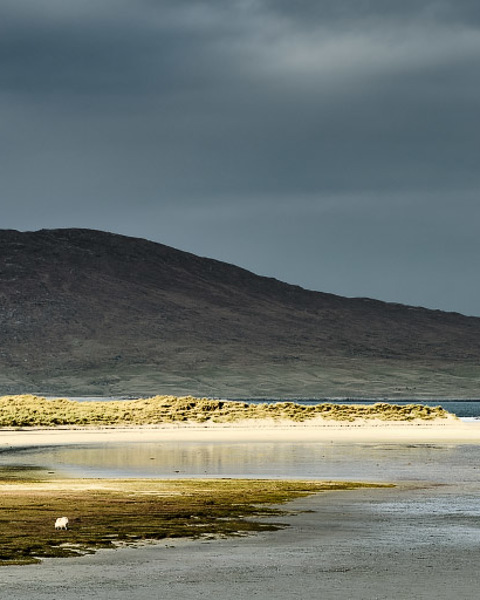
84	311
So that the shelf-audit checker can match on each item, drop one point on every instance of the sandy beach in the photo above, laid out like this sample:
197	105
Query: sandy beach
439	431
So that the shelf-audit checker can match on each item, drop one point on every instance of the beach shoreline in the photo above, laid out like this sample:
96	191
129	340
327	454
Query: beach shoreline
449	430
406	540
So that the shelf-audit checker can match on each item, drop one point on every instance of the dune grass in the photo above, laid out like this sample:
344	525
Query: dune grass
106	513
33	411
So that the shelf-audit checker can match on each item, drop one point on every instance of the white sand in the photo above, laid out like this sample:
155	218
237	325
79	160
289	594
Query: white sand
439	431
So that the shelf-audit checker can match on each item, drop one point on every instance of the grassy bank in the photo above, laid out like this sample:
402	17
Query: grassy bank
33	411
105	513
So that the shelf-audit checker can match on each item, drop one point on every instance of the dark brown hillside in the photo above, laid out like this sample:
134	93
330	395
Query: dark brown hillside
90	312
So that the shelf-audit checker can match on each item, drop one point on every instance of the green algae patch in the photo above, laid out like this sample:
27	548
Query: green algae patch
34	411
106	513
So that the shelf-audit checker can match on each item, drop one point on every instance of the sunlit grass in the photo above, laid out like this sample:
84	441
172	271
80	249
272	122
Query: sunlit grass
105	513
31	411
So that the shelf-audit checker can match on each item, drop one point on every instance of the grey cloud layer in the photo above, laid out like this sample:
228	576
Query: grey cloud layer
236	110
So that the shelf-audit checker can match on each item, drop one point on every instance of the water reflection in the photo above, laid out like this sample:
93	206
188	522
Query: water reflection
379	462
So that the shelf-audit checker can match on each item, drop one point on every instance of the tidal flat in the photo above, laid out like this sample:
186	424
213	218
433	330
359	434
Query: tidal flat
104	513
412	541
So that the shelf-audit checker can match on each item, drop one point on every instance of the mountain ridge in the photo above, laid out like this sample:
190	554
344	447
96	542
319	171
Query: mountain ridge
85	311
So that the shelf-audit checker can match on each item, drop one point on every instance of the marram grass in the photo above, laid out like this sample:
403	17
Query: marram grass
33	411
107	513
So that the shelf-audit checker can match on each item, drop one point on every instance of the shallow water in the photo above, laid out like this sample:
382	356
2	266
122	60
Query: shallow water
440	463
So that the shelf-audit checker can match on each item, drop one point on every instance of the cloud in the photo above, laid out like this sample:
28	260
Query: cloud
111	47
273	97
217	122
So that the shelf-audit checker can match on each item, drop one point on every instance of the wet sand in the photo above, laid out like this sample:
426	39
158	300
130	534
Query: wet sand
361	545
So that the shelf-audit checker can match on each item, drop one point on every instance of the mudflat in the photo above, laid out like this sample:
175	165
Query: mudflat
364	544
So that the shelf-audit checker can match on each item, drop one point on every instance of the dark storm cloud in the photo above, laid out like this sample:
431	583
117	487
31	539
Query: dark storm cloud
108	56
229	128
272	90
354	10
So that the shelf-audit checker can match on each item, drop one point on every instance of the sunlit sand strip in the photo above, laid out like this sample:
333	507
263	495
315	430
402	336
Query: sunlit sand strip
439	431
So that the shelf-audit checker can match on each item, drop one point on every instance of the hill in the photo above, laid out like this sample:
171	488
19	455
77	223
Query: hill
88	312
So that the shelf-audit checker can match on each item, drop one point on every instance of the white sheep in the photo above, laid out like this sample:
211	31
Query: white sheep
61	523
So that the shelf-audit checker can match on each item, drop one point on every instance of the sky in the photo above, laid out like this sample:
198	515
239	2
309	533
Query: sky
330	144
